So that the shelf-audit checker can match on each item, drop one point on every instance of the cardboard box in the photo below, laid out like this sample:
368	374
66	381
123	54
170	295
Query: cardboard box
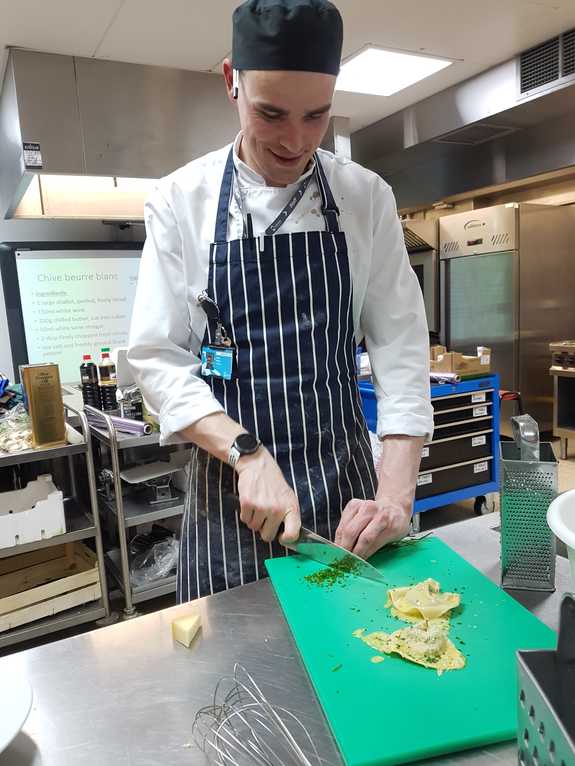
452	361
437	351
33	513
45	404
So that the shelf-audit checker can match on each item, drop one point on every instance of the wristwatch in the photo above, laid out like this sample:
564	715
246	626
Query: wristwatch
245	444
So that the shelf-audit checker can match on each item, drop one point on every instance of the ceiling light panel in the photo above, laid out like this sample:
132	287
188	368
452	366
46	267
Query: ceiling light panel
380	72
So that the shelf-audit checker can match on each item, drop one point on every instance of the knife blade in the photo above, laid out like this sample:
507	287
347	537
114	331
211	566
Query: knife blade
320	549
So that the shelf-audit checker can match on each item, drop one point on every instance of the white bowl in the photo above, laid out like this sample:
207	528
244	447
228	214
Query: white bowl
15	704
561	519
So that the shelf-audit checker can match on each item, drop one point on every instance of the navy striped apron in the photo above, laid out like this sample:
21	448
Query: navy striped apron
286	303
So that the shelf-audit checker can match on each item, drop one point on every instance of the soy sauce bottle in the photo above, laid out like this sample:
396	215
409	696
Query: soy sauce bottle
89	382
107	376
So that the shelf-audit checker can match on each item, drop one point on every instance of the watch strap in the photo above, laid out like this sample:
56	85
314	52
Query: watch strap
234	456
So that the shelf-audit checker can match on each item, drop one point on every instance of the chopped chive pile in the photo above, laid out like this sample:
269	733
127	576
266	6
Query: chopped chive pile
334	574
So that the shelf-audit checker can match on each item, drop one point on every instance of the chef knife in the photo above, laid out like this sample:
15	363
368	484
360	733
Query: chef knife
319	549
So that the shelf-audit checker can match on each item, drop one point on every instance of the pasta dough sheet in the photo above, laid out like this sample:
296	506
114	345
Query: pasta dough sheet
425	643
423	601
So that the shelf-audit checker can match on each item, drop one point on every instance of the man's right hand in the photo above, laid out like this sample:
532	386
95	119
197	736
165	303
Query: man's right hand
266	499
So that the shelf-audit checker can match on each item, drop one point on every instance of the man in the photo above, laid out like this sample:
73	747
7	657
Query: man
270	258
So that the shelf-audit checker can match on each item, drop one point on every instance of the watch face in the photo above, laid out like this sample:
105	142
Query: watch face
247	443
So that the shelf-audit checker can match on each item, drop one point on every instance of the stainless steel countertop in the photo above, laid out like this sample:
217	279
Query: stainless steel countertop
127	694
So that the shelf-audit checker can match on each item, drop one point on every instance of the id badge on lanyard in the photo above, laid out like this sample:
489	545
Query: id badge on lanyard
217	358
217	362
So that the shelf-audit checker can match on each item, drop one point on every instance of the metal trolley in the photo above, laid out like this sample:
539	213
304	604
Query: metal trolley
82	523
124	514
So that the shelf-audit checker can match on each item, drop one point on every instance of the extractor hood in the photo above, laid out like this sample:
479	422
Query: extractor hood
79	116
420	236
511	122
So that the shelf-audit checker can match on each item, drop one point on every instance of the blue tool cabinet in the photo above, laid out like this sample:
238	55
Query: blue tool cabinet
462	459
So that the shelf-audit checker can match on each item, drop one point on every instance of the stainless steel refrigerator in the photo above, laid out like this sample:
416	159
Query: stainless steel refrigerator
508	281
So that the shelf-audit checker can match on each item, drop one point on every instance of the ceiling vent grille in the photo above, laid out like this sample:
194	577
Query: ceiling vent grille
568	49
550	62
477	133
540	65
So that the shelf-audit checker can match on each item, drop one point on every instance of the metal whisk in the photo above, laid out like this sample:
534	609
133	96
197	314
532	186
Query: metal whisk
242	727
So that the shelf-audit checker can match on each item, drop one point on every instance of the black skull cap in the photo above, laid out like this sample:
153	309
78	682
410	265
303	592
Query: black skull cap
296	35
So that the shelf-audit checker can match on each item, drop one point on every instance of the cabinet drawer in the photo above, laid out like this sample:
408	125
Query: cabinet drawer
455	477
471	399
464	427
457	449
457	414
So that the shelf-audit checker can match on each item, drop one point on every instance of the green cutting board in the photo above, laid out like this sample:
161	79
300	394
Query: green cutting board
395	711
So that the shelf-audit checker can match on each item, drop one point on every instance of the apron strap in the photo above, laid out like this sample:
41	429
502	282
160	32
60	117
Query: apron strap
221	232
329	209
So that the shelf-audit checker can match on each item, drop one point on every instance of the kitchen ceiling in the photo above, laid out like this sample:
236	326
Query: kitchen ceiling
190	34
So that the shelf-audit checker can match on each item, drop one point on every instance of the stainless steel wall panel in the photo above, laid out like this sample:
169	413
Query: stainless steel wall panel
425	263
145	121
547	299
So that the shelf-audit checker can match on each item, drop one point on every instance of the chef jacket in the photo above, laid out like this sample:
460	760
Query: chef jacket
168	323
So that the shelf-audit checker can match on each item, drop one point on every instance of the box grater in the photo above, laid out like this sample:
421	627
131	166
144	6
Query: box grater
528	485
546	705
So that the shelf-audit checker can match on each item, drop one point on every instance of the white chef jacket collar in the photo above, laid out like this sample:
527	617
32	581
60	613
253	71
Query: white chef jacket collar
249	177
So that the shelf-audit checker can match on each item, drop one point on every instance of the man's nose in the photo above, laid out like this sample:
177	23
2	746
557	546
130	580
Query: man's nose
292	139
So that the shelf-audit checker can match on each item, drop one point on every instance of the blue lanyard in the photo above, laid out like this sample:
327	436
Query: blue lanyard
285	213
289	208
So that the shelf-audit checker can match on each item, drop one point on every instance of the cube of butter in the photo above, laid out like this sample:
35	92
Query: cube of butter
185	628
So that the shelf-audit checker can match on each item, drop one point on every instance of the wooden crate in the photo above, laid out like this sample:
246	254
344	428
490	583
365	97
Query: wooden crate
47	581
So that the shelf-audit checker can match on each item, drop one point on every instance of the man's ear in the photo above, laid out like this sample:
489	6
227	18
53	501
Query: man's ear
231	76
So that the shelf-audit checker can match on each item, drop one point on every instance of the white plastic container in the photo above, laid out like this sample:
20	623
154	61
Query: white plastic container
561	519
33	513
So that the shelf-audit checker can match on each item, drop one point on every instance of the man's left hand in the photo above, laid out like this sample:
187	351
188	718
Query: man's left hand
367	525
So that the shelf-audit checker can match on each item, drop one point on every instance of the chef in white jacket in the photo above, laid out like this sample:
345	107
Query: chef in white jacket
265	262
